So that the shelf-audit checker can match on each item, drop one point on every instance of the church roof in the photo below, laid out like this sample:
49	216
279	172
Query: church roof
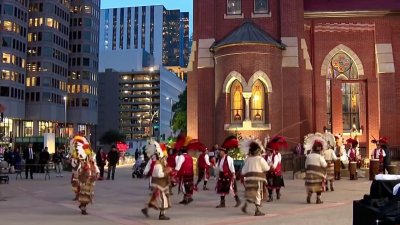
248	32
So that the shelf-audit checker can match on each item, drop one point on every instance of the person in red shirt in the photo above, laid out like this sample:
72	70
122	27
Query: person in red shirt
226	179
185	174
203	165
379	153
274	160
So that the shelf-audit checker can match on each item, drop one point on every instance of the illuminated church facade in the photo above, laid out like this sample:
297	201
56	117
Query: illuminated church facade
291	67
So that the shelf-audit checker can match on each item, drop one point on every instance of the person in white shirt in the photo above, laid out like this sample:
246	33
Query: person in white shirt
203	166
227	178
330	158
315	172
253	173
159	199
379	153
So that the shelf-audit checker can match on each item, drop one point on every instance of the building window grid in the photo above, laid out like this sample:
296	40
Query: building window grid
121	28
143	45
136	28
129	28
152	30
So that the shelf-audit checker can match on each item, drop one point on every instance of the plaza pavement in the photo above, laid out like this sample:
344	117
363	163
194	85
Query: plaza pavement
119	202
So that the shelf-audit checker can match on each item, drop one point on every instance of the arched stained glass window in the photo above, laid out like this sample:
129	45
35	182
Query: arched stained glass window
342	67
257	102
236	102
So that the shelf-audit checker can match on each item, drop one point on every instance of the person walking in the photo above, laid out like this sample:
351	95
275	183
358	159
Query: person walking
44	158
112	158
203	165
101	159
315	170
226	179
57	160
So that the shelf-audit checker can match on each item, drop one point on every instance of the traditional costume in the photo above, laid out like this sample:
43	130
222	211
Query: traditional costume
379	153
315	168
185	174
341	156
226	179
86	170
253	173
203	166
330	158
274	160
354	158
159	199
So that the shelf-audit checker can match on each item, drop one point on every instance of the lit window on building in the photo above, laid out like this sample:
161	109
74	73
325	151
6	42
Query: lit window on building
257	102
236	102
234	7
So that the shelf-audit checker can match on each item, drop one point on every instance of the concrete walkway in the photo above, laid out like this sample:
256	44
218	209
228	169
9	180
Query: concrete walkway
119	202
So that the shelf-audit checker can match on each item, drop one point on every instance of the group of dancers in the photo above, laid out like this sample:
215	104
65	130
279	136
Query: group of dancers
261	172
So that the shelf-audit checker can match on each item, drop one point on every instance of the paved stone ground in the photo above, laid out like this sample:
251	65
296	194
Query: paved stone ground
119	202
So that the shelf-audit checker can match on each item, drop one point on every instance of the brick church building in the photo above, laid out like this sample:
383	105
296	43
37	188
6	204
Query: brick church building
291	67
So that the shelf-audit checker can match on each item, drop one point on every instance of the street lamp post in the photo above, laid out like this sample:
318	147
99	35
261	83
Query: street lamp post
65	116
170	119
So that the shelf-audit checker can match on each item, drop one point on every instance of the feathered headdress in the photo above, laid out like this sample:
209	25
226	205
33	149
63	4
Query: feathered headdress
196	145
352	141
229	143
311	139
153	147
330	139
382	141
276	143
180	141
245	145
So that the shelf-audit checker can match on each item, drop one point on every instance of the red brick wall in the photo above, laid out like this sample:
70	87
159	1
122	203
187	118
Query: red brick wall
298	94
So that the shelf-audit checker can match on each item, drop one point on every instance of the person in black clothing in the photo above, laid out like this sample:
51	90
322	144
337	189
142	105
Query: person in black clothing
137	153
29	157
57	159
44	158
101	159
7	155
112	158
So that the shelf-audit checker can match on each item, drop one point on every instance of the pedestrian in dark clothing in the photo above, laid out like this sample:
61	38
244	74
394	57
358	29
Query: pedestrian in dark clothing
44	158
58	163
112	158
101	159
15	160
29	157
137	153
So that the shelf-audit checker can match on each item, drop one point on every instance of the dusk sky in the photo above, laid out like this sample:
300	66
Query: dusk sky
183	5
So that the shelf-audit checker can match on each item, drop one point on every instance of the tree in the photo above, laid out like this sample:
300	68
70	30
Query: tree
179	122
111	137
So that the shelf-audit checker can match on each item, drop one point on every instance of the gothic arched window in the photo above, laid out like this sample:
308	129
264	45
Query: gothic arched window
237	111
342	67
257	102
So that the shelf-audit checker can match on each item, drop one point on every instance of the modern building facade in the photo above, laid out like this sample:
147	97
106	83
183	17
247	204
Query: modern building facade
290	67
14	45
160	32
144	105
46	47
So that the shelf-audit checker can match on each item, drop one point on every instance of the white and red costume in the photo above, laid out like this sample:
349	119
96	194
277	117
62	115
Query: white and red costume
203	166
185	173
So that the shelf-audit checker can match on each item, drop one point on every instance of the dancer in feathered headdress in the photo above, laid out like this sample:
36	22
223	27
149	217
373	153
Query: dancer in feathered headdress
160	181
85	171
380	153
315	167
274	159
226	180
253	171
330	158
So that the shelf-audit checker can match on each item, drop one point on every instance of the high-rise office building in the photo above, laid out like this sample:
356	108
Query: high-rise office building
160	32
13	49
84	63
49	68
